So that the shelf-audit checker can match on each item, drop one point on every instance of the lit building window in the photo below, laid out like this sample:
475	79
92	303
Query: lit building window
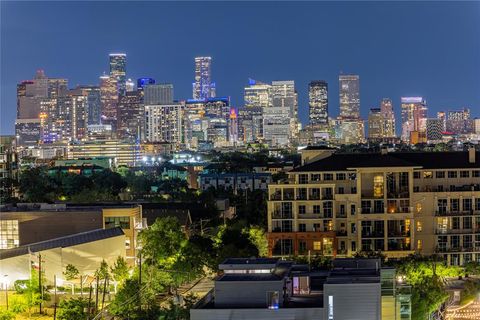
419	207
419	244
419	226
317	245
9	237
427	174
378	186
122	222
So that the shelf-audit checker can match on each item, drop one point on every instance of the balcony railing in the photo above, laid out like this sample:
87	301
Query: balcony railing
457	249
276	196
341	233
457	231
282	215
398	234
444	213
373	234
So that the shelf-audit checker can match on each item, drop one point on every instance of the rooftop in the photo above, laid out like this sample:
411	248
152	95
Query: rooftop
68	241
426	160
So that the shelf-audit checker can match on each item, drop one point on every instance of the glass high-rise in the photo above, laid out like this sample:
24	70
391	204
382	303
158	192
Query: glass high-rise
318	102
203	87
349	87
414	117
386	109
118	70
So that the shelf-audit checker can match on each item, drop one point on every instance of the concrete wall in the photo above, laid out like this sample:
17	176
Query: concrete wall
245	293
264	314
356	301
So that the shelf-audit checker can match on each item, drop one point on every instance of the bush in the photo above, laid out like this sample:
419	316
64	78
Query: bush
6	315
21	286
73	309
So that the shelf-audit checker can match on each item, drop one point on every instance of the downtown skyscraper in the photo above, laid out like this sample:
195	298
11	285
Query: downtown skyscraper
414	119
118	70
203	87
318	103
349	86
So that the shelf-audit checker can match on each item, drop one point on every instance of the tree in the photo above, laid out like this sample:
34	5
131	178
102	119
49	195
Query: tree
73	309
119	271
102	272
257	236
71	272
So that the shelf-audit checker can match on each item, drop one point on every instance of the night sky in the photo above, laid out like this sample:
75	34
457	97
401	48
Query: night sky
430	49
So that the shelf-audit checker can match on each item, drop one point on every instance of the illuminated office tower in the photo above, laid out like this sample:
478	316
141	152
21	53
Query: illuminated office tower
130	85
349	87
233	127
109	99
318	103
130	117
376	124
414	117
280	121
257	97
459	122
435	127
203	87
164	123
118	70
158	93
386	109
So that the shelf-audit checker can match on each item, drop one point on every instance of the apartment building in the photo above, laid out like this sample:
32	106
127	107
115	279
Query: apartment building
396	203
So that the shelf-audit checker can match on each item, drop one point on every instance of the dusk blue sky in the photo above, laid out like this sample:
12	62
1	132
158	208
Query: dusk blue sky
429	49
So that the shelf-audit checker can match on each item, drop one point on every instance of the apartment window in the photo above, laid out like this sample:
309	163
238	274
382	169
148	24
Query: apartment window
366	245
366	206
302	246
353	209
353	190
352	176
455	241
316	227
439	188
467	222
477	242
316	209
302	209
9	237
419	244
341	176
477	203
419	226
416	189
467	204
303	178
378	186
353	228
416	175
354	246
302	227
315	177
464	174
456	223
328	176
341	190
467	257
122	222
452	187
342	209
317	245
452	174
440	174
476	173
427	174
467	241
454	205
328	209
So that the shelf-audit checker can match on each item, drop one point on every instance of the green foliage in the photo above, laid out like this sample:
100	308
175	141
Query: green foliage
18	303
316	261
102	271
232	242
472	268
257	236
6	314
71	272
427	296
470	291
73	309
120	269
175	311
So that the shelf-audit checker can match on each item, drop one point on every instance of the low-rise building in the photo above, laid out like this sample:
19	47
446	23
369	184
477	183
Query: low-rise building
266	288
235	181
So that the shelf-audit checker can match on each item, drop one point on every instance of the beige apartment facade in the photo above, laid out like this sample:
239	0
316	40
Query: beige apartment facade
394	203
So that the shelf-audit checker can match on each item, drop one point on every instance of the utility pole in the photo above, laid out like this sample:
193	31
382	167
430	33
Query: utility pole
6	291
140	280
55	297
89	301
96	294
40	280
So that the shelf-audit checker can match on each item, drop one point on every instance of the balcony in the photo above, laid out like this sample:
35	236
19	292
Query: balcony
282	215
457	249
280	229
314	196
373	234
276	196
341	233
457	231
398	234
444	213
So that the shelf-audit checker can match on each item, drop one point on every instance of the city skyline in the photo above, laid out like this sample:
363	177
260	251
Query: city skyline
376	83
